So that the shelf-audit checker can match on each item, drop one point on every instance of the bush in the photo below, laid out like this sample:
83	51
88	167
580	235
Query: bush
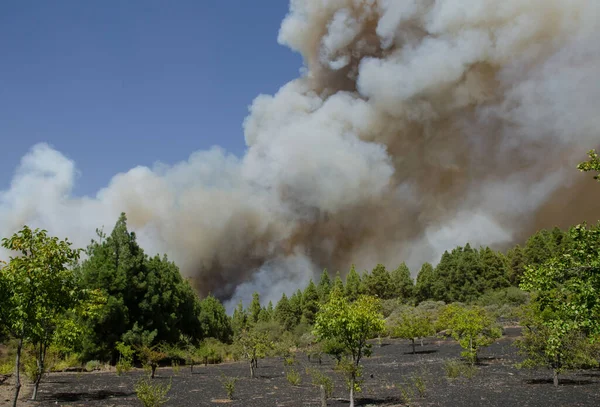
125	362
293	377
7	368
456	368
419	384
175	366
506	296
150	394
92	365
60	365
229	385
319	379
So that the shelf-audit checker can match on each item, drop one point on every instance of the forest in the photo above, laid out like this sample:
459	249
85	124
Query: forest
121	309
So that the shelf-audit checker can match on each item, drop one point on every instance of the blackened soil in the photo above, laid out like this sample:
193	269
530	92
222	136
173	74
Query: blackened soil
496	383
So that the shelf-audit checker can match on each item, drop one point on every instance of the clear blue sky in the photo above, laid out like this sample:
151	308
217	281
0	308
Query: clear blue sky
115	84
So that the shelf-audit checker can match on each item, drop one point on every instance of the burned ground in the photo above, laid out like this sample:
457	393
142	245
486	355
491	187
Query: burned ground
496	383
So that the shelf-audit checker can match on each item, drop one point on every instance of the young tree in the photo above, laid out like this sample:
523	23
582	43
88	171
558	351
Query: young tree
565	293
40	286
550	341
593	164
472	327
350	324
253	345
412	323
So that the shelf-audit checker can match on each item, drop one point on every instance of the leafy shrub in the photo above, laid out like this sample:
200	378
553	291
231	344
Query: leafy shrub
175	366
319	379
229	385
152	394
419	385
7	368
125	362
456	368
406	394
72	360
92	365
293	377
289	361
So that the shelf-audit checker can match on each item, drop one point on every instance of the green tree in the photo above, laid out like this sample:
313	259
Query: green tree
138	289
549	340
284	314
593	164
296	307
495	270
424	285
253	345
338	284
402	283
472	327
412	323
255	308
214	320
266	313
379	283
516	263
324	287
239	319
353	284
350	324
40	286
310	303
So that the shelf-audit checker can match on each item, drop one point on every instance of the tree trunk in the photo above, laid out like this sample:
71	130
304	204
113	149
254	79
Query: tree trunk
18	372
555	377
472	356
40	372
192	368
352	391
413	345
153	366
323	396
421	342
251	369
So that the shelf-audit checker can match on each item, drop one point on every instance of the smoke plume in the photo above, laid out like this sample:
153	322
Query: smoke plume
416	126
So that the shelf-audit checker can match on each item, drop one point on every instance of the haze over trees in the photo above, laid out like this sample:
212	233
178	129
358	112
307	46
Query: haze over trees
121	306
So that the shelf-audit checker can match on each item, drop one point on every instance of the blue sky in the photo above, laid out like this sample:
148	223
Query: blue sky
115	84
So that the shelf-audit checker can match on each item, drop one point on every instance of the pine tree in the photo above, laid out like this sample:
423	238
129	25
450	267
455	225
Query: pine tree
296	306
214	320
338	285
495	269
379	283
255	308
310	303
324	287
284	314
402	283
517	261
424	286
239	320
353	284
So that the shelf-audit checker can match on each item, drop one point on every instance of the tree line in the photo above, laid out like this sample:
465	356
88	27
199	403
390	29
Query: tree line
121	305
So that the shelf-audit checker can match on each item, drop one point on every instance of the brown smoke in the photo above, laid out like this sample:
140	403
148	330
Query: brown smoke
417	126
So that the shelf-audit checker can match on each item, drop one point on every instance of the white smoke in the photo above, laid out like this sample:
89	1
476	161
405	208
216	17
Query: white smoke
417	126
